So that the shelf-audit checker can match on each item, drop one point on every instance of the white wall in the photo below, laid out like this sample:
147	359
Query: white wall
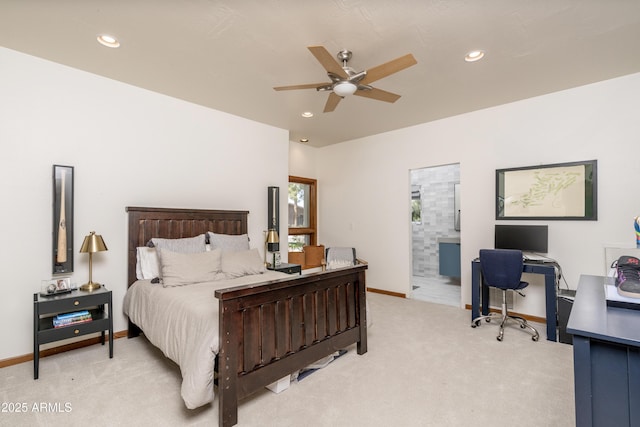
365	183
302	160
129	147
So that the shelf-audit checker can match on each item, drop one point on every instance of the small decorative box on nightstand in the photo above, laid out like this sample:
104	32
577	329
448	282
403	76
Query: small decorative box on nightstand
70	315
287	268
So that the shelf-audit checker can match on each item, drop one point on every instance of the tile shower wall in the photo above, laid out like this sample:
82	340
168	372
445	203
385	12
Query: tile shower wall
437	197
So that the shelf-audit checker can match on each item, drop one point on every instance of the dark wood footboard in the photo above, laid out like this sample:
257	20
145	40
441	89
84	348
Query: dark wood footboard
270	330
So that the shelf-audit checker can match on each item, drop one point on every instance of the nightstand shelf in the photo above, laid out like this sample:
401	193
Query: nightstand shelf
45	309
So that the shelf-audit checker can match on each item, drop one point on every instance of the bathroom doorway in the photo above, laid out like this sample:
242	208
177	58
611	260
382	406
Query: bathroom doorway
435	234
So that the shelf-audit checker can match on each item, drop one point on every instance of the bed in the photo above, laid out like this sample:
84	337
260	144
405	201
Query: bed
266	329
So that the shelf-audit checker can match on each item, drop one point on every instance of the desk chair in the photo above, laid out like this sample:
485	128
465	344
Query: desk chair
338	257
502	269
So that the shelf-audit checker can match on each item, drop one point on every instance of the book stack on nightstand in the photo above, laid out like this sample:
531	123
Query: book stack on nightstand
68	319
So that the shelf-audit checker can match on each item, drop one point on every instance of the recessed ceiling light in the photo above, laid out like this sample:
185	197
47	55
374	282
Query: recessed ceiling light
108	41
304	139
474	55
307	114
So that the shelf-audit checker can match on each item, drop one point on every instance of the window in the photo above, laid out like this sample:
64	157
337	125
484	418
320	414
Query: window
302	213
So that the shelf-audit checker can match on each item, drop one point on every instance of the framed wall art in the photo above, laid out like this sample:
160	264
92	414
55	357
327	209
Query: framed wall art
561	191
62	219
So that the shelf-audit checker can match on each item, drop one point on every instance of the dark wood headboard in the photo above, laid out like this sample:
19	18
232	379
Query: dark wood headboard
169	223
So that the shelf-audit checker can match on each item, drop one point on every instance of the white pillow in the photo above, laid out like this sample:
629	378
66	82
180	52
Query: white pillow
242	263
228	242
187	245
147	265
184	269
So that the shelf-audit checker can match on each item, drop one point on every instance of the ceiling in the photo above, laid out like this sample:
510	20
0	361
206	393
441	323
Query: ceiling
229	54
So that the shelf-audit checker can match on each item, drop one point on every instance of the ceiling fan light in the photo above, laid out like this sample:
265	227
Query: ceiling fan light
344	88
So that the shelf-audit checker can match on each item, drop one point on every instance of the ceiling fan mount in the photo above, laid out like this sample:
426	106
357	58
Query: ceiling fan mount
344	56
346	81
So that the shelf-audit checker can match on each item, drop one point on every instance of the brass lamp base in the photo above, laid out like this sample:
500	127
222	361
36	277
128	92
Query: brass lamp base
91	286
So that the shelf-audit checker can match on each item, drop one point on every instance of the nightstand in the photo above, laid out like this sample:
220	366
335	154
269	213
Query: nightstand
45	310
287	268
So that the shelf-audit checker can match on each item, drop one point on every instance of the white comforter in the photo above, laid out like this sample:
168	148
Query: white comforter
183	322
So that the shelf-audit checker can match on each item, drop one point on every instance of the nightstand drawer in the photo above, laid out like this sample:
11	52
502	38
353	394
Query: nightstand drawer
290	270
55	334
72	302
287	268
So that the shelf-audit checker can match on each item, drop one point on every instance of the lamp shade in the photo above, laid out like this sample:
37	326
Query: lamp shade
93	243
272	236
273	241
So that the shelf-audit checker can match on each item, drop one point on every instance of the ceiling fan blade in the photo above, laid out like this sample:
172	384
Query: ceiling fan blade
332	103
328	61
378	94
305	86
388	68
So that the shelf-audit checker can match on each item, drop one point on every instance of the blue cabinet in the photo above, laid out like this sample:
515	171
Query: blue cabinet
449	258
606	357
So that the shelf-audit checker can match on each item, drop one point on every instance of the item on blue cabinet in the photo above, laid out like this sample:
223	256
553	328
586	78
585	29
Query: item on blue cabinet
628	276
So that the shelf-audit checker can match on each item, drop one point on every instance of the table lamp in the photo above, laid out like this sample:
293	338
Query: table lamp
92	243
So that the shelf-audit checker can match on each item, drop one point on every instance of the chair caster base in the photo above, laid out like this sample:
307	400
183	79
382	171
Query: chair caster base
506	318
476	322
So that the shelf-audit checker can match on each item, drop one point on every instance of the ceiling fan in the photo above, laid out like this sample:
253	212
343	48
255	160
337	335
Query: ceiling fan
346	81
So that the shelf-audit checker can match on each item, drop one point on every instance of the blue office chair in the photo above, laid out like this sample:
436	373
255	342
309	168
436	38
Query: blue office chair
502	269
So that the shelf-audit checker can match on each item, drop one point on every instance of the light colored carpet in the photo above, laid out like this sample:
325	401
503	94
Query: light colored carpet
425	367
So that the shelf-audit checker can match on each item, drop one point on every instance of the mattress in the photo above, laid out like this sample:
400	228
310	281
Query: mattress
182	322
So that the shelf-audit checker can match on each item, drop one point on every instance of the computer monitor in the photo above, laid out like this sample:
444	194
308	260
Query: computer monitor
527	238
